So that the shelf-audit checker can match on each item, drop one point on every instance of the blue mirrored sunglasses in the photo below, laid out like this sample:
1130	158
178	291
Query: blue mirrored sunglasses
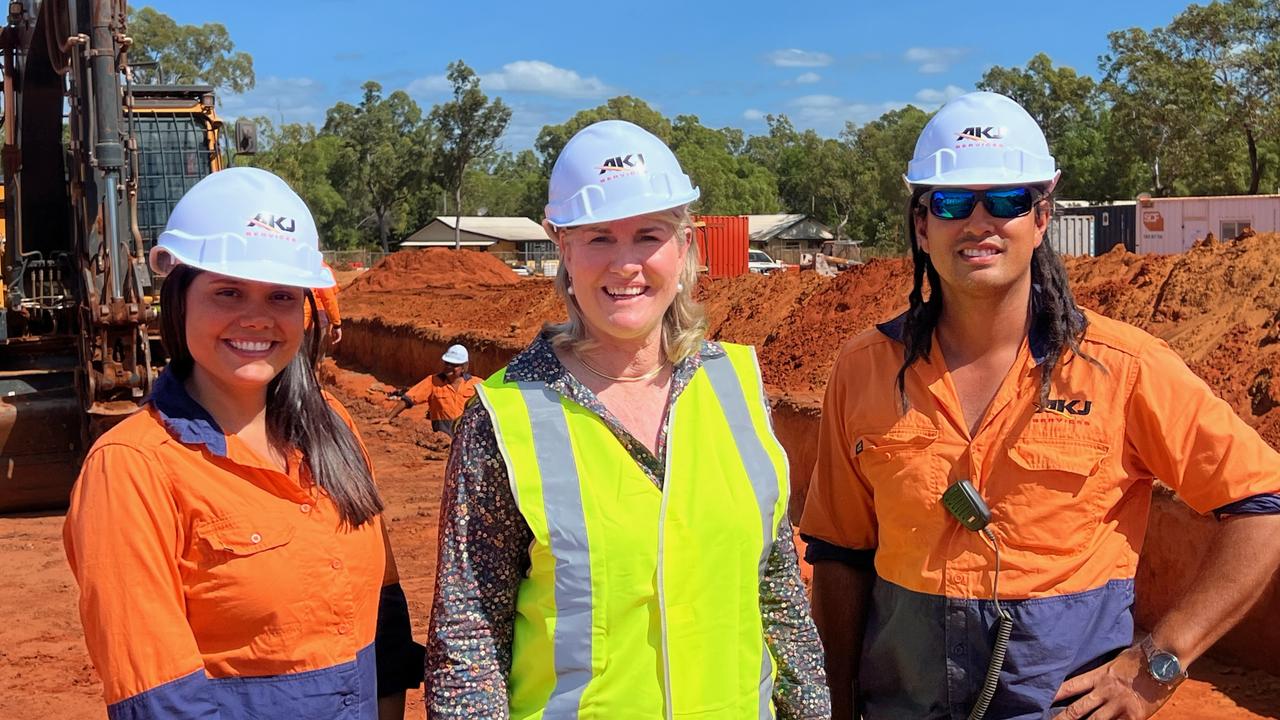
1003	203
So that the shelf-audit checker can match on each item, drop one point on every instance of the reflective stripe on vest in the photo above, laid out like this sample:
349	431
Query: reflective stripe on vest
764	479
619	567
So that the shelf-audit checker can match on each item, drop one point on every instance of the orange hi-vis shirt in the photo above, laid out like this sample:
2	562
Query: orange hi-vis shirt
212	585
444	402
326	303
1069	490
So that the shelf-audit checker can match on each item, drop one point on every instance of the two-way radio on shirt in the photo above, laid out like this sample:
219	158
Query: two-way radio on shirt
965	504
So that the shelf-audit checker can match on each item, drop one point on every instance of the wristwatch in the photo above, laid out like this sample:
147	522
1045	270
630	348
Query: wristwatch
1163	665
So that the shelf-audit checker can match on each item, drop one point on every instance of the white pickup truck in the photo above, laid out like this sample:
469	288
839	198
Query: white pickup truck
758	261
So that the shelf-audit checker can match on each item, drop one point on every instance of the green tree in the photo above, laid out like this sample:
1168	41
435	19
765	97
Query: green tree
508	185
881	150
1076	121
187	54
1202	95
731	182
469	127
815	175
552	139
386	153
308	160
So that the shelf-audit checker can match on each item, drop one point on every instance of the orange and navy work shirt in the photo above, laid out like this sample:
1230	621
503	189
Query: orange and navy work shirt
212	585
444	401
1069	488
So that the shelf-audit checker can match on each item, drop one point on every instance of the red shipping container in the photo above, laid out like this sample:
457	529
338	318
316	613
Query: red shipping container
722	244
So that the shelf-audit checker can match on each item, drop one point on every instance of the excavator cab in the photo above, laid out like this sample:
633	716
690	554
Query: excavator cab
93	164
177	134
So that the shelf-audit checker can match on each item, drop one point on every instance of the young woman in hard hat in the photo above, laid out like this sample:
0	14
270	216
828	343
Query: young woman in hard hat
985	464
226	538
614	541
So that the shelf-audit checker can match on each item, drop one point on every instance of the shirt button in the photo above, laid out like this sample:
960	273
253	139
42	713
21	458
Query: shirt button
343	629
957	650
304	507
336	564
255	538
348	700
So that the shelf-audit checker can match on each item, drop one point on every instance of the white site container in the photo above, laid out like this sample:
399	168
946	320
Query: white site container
1172	225
1072	234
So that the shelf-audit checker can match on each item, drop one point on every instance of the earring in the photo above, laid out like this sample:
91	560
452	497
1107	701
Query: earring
679	287
569	290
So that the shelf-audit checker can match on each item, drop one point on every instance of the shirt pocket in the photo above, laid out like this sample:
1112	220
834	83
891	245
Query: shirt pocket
249	582
900	465
1049	497
237	536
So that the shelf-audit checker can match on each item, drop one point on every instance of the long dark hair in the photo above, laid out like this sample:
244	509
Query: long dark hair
298	416
1054	312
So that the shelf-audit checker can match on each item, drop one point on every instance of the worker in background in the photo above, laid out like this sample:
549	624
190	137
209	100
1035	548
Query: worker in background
446	393
1059	420
326	300
227	539
614	541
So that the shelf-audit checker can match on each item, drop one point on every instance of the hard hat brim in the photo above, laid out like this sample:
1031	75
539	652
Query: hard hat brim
632	207
980	177
163	259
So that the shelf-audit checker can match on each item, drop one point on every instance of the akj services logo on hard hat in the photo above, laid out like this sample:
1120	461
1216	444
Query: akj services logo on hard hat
266	224
621	166
981	135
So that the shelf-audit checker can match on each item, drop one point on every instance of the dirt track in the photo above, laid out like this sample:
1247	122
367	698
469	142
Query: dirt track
1218	306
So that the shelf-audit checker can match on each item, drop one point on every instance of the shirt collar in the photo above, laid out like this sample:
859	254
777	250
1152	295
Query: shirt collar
538	362
185	418
1038	336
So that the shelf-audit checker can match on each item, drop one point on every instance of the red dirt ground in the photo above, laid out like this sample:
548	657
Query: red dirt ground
1219	306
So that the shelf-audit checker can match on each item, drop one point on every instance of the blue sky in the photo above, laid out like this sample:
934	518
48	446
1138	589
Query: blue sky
730	63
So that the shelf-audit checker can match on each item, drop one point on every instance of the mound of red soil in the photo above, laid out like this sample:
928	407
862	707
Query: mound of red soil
435	268
1217	305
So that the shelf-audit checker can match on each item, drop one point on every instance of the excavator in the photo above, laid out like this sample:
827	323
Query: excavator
93	164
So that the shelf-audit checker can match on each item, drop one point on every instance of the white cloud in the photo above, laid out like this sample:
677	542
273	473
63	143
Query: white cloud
281	100
429	85
541	78
808	78
932	61
828	114
794	57
931	96
533	77
753	114
815	102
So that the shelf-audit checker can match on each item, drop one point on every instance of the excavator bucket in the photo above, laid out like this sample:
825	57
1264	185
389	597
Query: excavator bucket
42	429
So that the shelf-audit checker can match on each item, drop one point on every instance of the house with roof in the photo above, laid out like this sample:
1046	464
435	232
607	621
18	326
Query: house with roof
517	240
787	236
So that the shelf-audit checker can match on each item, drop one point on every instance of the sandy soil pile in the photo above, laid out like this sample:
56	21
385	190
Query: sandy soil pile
1217	305
436	268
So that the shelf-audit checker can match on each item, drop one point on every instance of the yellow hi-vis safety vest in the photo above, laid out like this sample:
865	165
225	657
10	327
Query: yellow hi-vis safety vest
643	603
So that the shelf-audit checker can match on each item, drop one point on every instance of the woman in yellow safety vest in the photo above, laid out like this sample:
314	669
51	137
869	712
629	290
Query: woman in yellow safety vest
614	541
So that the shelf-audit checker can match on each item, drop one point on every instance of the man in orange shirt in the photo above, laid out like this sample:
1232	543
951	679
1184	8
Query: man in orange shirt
985	468
446	393
327	309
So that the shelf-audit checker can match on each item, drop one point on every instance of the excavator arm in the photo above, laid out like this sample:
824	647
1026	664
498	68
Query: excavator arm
82	199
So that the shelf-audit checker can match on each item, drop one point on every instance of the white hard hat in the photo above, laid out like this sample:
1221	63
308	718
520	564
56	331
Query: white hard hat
612	170
981	138
246	223
456	355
